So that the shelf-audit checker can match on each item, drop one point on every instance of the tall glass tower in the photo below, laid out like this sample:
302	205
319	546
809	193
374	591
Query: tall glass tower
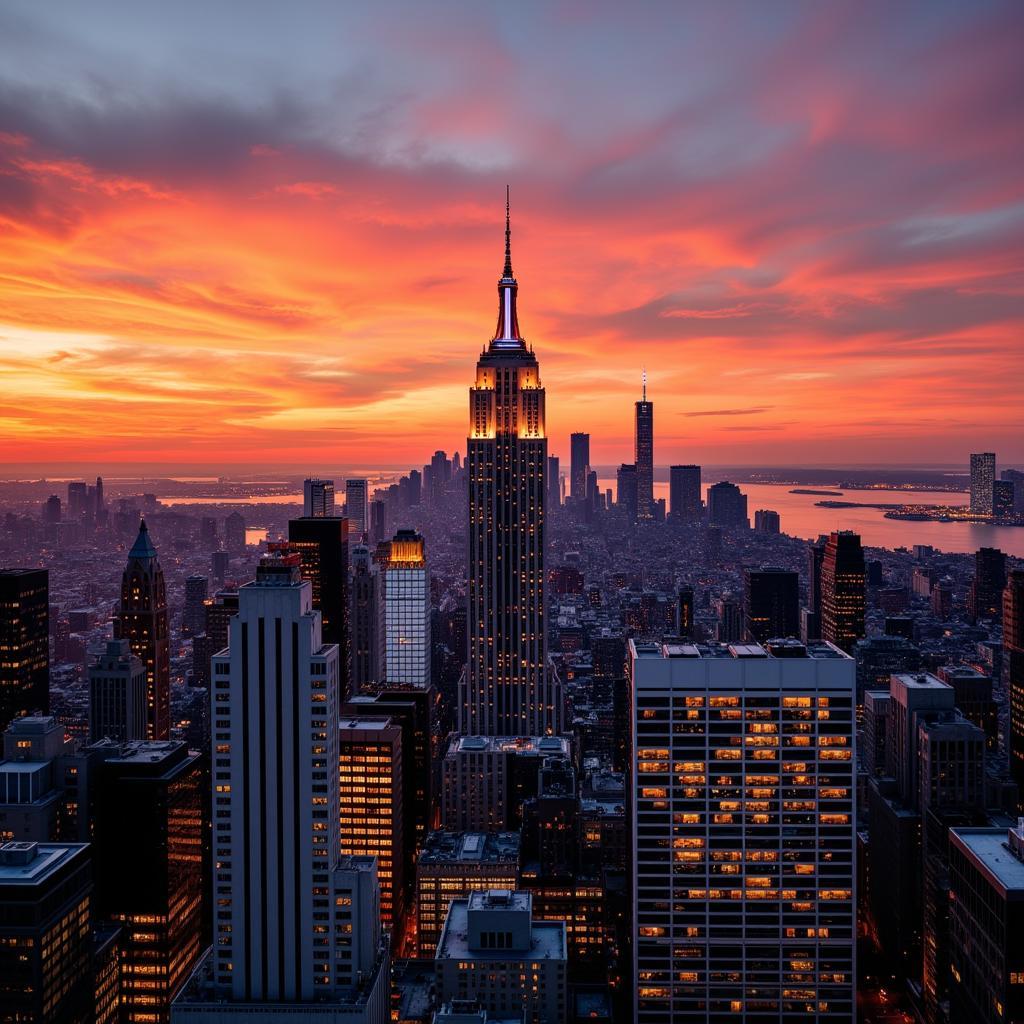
507	689
644	451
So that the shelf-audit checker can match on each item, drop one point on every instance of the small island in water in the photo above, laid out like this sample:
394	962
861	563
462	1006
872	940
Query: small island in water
805	490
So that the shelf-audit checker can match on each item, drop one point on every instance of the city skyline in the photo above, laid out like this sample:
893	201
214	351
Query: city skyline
240	269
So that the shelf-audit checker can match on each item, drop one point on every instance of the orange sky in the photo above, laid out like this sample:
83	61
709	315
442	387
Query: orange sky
818	260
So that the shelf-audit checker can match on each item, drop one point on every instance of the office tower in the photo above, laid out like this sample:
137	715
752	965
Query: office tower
149	858
986	921
24	643
579	464
193	615
770	605
986	596
507	689
727	505
78	501
487	778
684	492
234	534
1003	498
879	657
492	951
276	825
643	451
371	811
743	767
363	619
117	695
378	520
208	534
942	599
46	974
322	545
220	562
356	498
217	612
983	477
729	628
415	487
404	582
627	491
595	499
142	621
450	866
875	731
52	510
30	797
972	693
766	521
554	483
1013	670
1016	478
317	498
684	612
815	560
842	590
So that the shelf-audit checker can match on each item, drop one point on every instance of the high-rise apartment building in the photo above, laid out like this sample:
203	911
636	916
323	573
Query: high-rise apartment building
579	464
357	497
842	590
767	521
507	688
117	695
643	451
317	498
372	816
684	492
295	922
46	974
24	643
142	621
743	768
322	545
149	858
405	651
983	480
771	603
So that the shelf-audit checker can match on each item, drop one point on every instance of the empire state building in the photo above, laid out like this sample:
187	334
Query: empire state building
507	689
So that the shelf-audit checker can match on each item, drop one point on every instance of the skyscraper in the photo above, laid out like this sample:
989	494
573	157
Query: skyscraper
24	643
842	590
983	479
317	498
507	689
142	621
149	856
579	463
364	613
405	597
771	603
684	492
986	596
234	534
284	895
643	449
554	483
193	615
1013	670
727	505
117	695
743	769
323	546
627	490
356	506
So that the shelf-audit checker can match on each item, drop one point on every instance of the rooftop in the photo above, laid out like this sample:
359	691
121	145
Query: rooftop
513	744
919	681
772	649
470	848
547	938
989	848
32	863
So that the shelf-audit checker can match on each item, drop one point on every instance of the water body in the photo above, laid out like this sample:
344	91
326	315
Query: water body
801	517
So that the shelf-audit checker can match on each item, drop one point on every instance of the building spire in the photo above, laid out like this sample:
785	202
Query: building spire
508	237
644	375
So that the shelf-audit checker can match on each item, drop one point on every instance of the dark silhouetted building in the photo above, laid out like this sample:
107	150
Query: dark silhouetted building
626	493
234	534
142	621
193	616
766	521
727	505
317	498
684	492
24	643
842	590
364	613
643	450
986	596
579	465
1013	670
771	603
117	695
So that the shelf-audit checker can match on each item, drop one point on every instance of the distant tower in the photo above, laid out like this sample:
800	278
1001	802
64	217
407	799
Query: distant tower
363	613
626	490
234	534
842	590
356	501
317	498
142	621
507	689
579	463
983	483
684	492
117	695
404	658
644	452
193	615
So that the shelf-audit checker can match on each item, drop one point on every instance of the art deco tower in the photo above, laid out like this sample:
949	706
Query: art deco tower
507	689
142	621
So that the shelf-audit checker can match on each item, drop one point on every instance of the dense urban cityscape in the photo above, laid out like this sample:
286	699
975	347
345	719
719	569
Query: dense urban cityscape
490	741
